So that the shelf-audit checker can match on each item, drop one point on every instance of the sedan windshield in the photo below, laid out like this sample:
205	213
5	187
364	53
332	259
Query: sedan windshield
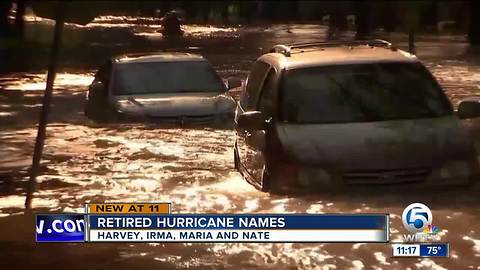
165	77
361	93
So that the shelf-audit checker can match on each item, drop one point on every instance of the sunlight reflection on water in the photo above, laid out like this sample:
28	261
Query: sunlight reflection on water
36	81
193	168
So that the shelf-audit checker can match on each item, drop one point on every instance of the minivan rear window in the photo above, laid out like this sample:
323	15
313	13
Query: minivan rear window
361	93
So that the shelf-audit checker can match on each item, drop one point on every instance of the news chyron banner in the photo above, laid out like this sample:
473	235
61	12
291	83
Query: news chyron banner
155	222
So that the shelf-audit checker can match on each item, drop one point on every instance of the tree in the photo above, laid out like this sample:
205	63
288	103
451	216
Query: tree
389	18
19	22
74	11
362	16
411	22
4	10
337	10
474	25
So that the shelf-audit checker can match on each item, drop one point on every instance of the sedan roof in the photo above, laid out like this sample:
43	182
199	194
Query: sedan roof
158	57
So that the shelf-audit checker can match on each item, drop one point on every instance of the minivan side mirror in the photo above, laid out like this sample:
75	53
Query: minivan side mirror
254	120
97	89
468	109
233	83
97	86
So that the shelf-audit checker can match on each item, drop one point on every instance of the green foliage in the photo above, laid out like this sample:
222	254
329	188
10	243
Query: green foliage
80	12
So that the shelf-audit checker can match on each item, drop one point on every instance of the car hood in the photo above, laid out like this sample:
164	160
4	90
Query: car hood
377	145
175	105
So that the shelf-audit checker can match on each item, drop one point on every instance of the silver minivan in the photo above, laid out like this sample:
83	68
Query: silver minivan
343	114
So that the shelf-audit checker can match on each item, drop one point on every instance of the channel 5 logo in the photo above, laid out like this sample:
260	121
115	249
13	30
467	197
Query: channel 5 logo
417	219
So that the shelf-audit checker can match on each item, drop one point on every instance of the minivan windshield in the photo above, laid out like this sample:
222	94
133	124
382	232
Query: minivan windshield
361	93
165	77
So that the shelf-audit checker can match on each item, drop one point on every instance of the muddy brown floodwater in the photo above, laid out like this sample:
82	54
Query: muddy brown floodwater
193	166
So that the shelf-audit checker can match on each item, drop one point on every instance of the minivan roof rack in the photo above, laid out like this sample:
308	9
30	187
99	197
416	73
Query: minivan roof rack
287	49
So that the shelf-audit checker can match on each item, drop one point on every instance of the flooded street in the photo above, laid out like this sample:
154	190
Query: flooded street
193	166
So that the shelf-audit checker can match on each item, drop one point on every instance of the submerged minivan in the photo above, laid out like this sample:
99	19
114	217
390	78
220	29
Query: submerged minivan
340	114
160	86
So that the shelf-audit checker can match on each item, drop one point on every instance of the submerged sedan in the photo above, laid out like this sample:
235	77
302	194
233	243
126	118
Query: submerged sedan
166	86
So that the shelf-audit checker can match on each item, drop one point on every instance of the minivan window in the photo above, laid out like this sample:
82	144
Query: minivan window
361	93
103	73
267	100
165	77
254	84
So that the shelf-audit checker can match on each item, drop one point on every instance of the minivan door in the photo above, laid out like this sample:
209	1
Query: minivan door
257	141
248	102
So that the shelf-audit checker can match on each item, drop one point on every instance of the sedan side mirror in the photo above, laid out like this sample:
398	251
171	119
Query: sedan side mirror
468	109
251	121
233	83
